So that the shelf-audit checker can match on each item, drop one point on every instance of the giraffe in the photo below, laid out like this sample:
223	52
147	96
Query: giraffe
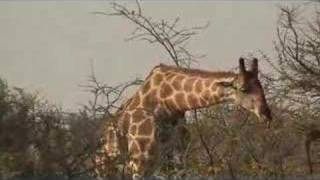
167	93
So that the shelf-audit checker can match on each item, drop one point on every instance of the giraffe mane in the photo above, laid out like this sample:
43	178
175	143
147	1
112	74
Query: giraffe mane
124	105
197	72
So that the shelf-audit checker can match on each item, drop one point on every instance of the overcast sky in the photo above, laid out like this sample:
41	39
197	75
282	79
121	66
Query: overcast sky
48	46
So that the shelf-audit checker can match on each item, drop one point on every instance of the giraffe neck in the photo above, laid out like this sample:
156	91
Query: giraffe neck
176	90
201	92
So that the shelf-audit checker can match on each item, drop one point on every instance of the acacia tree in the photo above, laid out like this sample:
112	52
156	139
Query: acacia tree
168	35
296	85
68	149
298	51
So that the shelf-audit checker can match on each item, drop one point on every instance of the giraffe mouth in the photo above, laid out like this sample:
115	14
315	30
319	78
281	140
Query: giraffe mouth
264	115
266	119
268	124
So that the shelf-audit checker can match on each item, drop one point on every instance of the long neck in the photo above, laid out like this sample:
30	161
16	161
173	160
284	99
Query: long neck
195	92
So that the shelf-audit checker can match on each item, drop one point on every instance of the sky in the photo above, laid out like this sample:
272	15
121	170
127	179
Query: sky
48	47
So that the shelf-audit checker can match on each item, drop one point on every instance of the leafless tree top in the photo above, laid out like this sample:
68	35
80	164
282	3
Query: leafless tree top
168	35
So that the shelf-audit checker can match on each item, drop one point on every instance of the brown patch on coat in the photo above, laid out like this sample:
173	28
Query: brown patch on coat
111	134
214	99
134	148
188	85
157	79
198	86
206	95
181	101
134	102
125	126
220	92
203	102
193	100
207	83
170	103
146	87
124	106
177	83
126	115
143	143
150	100
146	127
214	87
166	90
133	130
124	122
169	76
137	116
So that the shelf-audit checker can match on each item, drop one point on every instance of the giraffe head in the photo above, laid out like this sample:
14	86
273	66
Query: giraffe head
249	92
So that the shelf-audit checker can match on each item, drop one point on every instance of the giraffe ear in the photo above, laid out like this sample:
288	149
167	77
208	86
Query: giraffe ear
242	68
254	66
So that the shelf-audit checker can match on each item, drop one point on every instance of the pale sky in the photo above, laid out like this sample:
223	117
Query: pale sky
48	46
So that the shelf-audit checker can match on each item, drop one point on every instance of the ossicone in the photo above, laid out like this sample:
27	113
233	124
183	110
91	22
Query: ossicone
242	67
254	66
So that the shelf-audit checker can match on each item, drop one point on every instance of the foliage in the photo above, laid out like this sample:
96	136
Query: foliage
40	139
295	87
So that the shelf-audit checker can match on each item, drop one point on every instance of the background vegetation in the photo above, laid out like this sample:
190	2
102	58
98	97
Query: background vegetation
39	139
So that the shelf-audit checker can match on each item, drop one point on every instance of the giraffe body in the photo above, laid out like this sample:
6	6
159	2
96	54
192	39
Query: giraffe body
161	100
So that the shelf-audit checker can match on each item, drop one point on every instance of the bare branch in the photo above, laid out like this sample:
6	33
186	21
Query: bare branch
165	33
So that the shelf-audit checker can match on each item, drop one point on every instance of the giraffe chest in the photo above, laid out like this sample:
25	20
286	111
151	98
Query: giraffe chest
166	126
141	122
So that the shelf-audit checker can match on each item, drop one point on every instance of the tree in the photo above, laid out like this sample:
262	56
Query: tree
168	35
296	85
298	51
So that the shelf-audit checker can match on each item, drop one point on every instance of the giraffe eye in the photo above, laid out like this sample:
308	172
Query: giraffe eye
244	89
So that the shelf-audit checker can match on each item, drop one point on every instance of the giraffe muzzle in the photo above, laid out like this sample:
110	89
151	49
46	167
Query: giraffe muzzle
267	120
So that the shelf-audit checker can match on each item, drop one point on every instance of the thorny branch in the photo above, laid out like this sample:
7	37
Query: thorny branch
298	51
105	97
298	69
167	34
